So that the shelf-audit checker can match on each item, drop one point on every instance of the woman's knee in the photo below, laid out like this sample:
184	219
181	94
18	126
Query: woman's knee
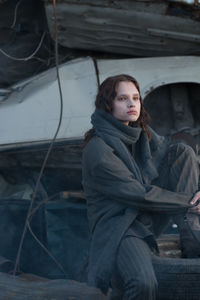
147	284
142	286
182	155
182	149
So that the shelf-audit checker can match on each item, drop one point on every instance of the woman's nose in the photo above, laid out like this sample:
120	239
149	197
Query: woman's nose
130	103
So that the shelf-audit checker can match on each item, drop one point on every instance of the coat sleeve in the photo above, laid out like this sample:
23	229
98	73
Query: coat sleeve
111	177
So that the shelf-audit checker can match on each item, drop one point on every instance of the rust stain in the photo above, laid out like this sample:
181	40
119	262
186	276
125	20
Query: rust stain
184	10
149	90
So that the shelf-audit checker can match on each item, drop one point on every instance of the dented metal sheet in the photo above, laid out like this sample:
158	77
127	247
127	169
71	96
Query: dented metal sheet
152	73
31	111
136	28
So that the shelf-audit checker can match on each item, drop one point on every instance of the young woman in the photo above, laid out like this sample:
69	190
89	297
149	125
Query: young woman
134	180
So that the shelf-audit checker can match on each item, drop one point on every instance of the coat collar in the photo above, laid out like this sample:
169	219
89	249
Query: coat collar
105	123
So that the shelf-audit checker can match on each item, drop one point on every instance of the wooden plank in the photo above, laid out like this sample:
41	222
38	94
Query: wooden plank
35	288
169	245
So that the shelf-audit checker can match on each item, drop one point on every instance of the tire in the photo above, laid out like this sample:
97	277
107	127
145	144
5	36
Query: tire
178	278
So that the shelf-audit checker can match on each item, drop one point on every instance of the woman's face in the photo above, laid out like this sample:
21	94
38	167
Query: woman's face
126	105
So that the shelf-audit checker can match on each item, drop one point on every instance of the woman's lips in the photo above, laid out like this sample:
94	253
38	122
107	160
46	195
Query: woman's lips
132	112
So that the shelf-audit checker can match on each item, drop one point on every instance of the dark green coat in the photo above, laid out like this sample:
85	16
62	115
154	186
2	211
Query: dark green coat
117	186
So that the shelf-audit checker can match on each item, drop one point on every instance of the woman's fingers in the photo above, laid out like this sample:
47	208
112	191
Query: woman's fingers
195	209
195	198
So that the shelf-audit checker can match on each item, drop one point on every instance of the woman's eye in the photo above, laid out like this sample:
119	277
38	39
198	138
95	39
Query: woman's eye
122	98
135	98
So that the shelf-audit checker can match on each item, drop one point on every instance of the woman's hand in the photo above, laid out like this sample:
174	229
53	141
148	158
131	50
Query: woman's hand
196	208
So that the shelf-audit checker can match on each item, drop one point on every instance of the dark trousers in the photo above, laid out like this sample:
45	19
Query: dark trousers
134	277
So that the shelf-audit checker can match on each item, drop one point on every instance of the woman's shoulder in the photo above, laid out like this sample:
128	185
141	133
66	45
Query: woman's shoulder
96	144
96	149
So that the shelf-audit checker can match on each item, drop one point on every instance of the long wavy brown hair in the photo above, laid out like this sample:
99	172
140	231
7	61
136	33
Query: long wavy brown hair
104	100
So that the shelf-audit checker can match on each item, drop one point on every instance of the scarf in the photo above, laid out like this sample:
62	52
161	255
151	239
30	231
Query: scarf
118	136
